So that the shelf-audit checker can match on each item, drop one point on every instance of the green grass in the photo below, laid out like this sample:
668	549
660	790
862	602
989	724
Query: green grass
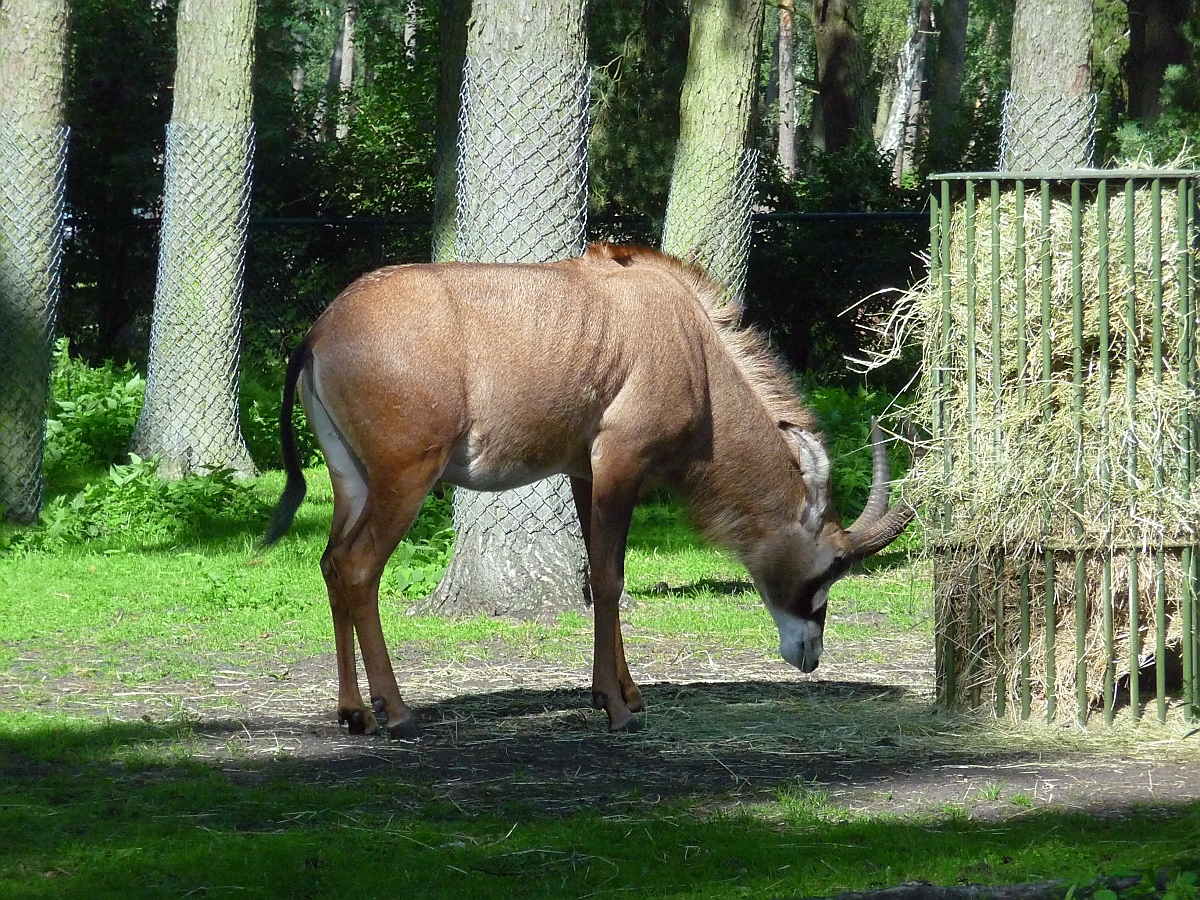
100	809
97	807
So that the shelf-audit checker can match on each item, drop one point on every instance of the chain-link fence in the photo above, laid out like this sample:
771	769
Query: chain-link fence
32	179
522	197
708	220
190	417
1047	132
522	174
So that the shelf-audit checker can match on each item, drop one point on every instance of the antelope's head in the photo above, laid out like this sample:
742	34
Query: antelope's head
794	569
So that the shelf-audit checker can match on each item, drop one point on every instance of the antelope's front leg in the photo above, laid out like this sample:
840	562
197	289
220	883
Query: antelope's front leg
612	501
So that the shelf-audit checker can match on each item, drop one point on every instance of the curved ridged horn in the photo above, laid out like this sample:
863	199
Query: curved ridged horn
877	526
881	480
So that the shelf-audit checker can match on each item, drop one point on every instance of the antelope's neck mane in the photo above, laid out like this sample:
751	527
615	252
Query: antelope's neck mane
751	482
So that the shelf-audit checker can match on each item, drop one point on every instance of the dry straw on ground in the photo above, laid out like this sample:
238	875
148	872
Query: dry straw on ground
1022	463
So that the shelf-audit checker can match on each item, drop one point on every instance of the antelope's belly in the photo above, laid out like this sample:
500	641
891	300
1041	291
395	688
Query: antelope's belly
481	462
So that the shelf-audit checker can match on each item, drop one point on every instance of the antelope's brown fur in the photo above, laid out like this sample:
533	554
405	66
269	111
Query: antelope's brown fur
620	368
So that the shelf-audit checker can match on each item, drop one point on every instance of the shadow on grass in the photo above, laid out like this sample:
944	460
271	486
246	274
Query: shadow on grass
98	809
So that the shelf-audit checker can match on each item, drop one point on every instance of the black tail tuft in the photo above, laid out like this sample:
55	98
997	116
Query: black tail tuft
295	489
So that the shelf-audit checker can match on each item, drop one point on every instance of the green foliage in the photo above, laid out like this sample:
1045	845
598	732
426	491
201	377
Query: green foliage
419	562
93	412
261	404
639	51
132	507
845	416
1173	139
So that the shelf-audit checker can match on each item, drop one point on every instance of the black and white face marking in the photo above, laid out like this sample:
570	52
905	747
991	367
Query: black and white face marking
801	618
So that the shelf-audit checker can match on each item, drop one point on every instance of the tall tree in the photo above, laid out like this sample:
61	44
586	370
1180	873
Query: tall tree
946	83
708	209
900	133
452	49
33	146
190	417
841	117
1156	41
786	144
522	198
1049	111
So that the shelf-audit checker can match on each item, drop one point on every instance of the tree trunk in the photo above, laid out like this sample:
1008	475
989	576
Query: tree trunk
1049	111
345	81
905	95
190	417
523	198
712	182
452	50
841	75
946	83
1155	42
787	89
33	149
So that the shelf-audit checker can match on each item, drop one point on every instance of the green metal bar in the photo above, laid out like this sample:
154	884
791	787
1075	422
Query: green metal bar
972	350
947	462
1026	686
972	438
1047	413
1023	597
1131	342
1051	626
1186	345
1019	264
973	628
1103	352
1081	595
997	445
1160	576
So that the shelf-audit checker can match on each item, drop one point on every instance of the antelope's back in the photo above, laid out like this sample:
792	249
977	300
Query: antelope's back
517	355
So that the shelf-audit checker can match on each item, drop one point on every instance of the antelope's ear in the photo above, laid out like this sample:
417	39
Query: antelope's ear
810	456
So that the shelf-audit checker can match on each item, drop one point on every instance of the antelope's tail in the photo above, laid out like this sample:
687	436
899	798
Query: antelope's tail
295	489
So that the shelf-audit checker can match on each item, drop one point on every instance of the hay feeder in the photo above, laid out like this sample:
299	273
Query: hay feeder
1060	498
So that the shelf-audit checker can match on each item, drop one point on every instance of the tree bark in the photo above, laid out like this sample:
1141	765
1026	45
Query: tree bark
841	75
712	182
1155	42
345	81
1049	110
190	418
899	133
33	147
787	89
523	198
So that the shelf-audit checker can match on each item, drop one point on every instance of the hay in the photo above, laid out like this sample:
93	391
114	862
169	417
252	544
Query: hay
1018	468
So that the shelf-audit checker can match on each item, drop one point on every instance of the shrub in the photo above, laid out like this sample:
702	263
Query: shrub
133	508
93	412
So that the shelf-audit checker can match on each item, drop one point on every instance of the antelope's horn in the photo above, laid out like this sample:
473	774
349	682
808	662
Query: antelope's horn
877	526
881	480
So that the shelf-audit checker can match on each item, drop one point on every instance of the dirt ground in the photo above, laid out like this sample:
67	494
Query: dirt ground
720	727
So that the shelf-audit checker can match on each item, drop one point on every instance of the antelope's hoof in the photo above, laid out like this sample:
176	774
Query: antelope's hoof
380	706
357	721
631	725
599	700
405	730
634	700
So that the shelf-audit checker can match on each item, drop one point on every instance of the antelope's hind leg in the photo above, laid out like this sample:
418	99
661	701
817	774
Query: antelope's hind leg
353	569
370	517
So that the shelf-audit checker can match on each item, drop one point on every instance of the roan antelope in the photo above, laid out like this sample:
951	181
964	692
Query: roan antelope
622	369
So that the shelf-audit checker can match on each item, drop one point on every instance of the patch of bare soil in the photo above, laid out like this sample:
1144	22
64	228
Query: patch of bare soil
720	727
